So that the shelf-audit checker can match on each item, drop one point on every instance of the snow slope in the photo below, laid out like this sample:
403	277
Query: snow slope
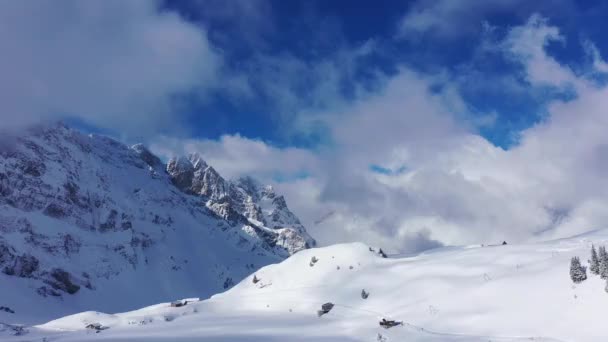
89	223
473	293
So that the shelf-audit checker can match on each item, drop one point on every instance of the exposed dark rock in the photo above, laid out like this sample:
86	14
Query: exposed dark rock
364	294
23	266
325	308
70	244
96	326
7	253
182	172
147	156
142	240
7	309
381	253
179	303
33	168
209	183
14	329
55	210
226	211
5	190
110	223
44	291
71	190
62	280
386	324
279	202
313	261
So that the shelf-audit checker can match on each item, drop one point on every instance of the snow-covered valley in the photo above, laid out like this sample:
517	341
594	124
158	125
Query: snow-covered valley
472	293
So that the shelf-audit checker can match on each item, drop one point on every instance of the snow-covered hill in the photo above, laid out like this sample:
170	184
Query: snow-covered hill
89	223
473	293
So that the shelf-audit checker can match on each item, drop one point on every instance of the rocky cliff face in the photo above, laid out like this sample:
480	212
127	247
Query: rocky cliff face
82	216
241	201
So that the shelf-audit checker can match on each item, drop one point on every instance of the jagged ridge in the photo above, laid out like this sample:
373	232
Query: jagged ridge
79	212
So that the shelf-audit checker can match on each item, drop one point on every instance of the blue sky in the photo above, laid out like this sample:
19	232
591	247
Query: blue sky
404	124
311	31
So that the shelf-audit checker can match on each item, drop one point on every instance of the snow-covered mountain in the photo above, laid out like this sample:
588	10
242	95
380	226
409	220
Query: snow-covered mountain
472	293
89	223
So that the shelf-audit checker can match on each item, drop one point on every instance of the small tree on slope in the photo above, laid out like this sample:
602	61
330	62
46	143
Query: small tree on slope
603	258
578	272
594	263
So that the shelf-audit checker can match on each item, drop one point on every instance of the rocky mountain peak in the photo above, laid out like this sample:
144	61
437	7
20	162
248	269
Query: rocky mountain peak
147	156
250	184
181	171
268	192
80	213
197	161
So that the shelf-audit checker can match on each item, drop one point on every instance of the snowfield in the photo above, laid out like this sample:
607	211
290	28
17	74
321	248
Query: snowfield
472	293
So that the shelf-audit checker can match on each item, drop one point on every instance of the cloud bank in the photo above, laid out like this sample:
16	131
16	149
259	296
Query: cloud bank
402	165
447	184
116	64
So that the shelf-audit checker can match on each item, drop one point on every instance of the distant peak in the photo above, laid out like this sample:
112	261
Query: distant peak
181	162
147	156
268	191
249	184
139	147
197	161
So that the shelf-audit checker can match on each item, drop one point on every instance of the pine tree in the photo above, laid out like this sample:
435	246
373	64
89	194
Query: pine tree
603	259
594	263
578	272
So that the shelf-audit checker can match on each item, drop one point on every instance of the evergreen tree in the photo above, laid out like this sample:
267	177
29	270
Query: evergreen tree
594	263
603	256
578	272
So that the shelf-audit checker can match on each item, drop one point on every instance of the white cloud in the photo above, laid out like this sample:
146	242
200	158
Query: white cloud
452	19
527	44
598	63
449	19
111	63
456	187
234	156
440	17
120	64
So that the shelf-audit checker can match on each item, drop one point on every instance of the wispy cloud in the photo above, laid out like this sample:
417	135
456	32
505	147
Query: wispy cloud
111	63
446	19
